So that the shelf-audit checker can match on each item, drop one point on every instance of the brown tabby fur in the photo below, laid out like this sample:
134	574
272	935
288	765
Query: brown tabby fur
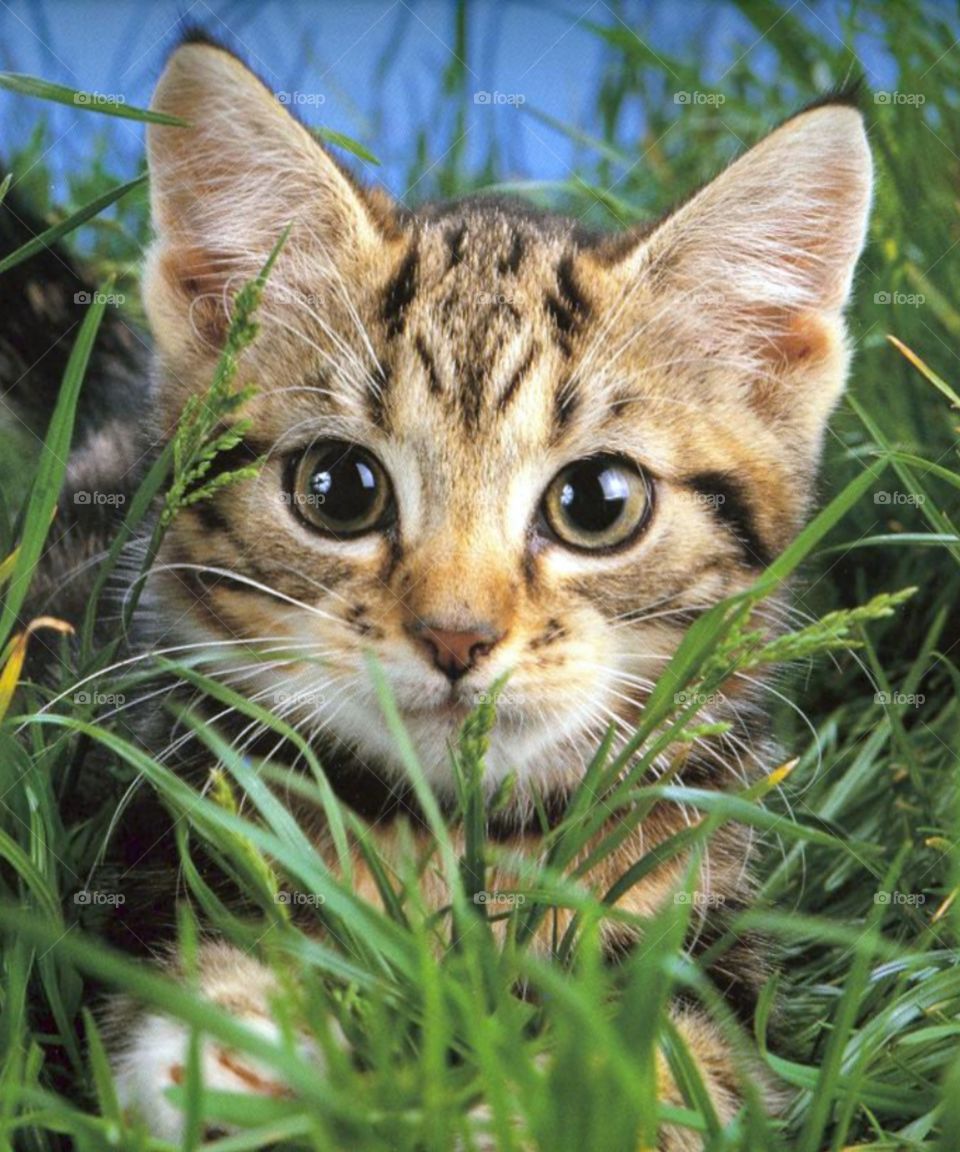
476	348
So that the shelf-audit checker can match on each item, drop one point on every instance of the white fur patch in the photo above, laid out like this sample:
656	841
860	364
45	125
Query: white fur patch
155	1062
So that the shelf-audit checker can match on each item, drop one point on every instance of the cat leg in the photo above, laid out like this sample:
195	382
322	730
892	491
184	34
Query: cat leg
721	1076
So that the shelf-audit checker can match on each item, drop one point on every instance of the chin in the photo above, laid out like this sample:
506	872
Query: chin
542	754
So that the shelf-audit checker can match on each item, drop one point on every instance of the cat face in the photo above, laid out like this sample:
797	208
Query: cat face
494	445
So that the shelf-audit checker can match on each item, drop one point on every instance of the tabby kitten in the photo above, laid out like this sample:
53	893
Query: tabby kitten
495	442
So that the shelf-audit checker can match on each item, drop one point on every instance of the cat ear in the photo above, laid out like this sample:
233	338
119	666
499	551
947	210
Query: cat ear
752	273
224	188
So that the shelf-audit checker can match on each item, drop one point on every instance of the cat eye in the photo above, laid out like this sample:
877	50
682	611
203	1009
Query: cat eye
341	488
600	502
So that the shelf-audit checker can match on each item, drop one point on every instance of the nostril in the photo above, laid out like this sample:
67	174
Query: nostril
455	651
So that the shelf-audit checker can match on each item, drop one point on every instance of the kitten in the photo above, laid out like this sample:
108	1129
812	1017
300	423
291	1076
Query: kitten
495	442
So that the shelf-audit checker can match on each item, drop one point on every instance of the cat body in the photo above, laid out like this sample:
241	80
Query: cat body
491	444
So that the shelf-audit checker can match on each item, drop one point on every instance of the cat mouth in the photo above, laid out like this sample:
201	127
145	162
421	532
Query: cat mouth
454	706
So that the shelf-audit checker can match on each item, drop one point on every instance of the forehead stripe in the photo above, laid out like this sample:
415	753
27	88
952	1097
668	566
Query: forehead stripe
429	366
567	307
456	238
511	262
400	291
518	377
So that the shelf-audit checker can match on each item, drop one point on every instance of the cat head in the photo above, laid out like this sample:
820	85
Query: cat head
494	442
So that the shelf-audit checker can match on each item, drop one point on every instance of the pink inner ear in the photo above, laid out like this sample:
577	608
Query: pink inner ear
200	277
791	337
806	337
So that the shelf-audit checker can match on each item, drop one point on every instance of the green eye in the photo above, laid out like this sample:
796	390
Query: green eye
600	502
341	488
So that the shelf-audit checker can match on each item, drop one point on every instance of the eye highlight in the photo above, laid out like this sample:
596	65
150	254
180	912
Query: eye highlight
601	502
341	489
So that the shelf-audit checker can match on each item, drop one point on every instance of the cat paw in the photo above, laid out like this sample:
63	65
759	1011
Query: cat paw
150	1051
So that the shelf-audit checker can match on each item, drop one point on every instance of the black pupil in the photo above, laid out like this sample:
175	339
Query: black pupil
594	496
344	484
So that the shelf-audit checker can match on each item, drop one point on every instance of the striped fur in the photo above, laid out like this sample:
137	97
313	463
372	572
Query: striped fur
476	349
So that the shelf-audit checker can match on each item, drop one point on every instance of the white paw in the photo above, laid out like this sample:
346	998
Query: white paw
155	1061
149	1051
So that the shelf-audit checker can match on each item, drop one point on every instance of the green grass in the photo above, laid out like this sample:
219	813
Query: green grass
863	1020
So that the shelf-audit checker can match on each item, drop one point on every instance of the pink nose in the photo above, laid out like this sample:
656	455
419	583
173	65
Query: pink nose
454	651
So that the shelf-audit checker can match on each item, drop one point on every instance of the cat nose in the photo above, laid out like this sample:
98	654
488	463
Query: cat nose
455	651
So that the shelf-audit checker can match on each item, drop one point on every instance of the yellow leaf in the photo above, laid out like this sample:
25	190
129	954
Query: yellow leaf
778	775
944	907
17	653
6	565
937	381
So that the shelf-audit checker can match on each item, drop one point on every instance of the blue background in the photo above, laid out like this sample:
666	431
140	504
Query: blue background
380	69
